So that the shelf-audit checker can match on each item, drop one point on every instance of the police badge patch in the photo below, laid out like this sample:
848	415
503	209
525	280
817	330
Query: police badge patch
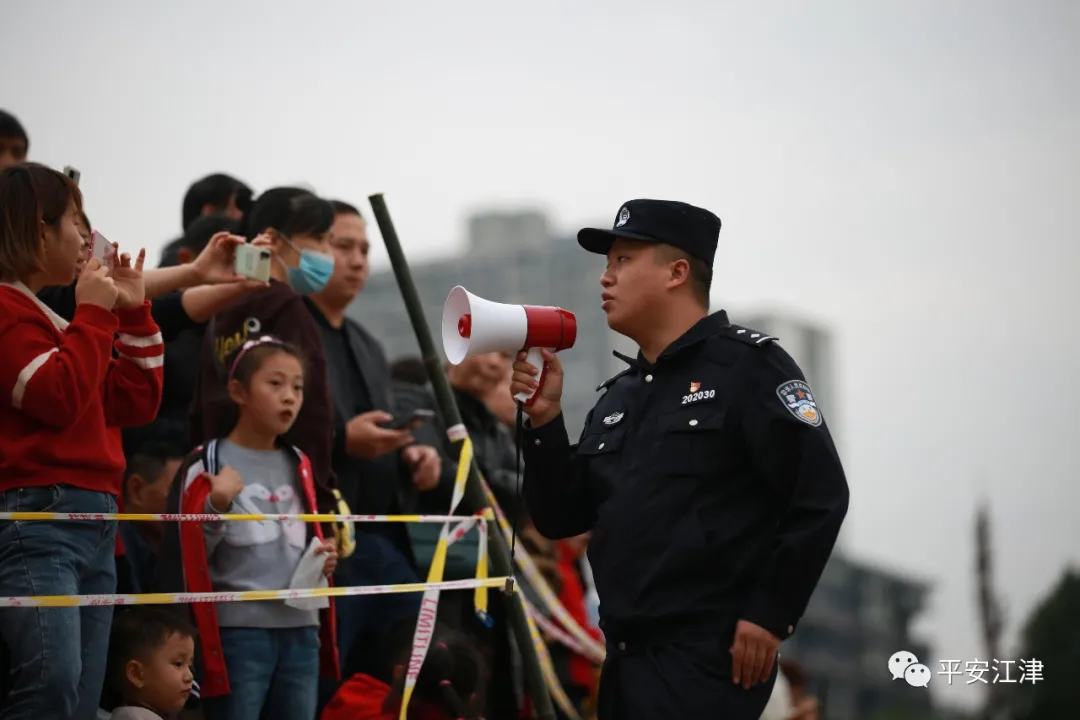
799	400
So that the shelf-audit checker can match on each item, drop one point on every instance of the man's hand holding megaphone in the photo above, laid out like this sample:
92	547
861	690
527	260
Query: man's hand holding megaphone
547	403
473	326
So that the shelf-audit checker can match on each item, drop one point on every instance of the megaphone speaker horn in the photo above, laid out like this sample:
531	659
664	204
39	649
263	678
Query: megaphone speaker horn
474	326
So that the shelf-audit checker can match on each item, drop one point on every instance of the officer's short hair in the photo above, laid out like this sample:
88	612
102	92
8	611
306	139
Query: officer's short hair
700	273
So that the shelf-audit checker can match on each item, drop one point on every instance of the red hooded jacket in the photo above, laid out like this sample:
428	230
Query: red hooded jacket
363	697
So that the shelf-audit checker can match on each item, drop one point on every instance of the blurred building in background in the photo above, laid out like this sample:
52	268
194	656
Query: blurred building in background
859	616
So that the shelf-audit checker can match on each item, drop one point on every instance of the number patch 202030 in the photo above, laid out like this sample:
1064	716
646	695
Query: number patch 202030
699	395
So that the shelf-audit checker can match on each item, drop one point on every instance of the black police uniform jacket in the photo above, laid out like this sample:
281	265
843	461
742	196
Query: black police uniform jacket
709	480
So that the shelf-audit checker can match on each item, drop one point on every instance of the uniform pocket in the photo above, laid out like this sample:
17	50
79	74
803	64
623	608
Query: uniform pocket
600	444
690	439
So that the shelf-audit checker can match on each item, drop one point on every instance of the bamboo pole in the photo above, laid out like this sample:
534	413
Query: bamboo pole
474	494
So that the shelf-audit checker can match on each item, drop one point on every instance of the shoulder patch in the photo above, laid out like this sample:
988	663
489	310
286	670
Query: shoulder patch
799	400
748	336
607	383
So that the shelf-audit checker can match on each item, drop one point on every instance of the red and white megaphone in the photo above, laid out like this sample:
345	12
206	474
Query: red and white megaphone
473	326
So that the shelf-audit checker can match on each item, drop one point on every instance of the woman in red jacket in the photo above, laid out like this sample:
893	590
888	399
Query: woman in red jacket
63	399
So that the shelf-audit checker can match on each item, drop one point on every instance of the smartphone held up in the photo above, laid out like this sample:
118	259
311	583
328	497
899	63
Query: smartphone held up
103	250
252	262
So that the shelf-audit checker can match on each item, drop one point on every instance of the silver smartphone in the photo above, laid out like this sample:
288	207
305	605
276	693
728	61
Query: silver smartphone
72	173
252	262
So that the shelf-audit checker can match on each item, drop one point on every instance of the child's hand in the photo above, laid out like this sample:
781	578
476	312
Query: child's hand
329	548
226	485
129	281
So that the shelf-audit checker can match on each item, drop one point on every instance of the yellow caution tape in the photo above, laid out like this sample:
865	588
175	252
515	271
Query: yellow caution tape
547	668
429	606
480	598
240	596
344	531
556	632
594	650
211	517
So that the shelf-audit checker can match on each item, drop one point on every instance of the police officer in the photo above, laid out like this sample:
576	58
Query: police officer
706	474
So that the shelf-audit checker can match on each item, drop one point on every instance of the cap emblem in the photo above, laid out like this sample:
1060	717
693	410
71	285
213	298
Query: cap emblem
624	217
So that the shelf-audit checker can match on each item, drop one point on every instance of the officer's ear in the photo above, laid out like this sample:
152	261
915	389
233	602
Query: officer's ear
678	272
677	263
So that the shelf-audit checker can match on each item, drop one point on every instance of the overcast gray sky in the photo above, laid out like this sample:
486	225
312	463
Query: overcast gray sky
906	172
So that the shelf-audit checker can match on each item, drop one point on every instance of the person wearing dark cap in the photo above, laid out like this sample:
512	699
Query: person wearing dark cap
706	474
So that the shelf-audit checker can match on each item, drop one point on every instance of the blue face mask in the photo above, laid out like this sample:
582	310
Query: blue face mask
312	273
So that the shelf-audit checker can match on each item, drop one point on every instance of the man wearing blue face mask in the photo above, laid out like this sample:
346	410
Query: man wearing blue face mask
297	225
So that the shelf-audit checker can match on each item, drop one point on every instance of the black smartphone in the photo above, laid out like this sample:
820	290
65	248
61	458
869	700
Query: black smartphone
413	421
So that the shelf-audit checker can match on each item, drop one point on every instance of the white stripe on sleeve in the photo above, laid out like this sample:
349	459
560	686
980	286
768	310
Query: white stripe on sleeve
140	341
26	375
147	363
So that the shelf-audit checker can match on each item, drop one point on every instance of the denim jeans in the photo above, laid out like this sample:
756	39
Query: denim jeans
57	655
273	675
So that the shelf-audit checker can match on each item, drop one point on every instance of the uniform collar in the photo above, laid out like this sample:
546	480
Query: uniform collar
702	329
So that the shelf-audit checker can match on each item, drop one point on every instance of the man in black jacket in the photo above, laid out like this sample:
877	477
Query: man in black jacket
380	470
477	384
474	382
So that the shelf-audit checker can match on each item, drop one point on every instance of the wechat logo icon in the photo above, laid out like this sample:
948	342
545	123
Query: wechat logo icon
903	665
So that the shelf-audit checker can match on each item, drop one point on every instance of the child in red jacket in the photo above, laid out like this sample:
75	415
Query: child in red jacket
449	686
63	400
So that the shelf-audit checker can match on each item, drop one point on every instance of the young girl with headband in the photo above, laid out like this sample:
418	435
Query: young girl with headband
260	660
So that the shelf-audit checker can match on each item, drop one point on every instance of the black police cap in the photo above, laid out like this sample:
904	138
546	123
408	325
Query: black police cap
691	229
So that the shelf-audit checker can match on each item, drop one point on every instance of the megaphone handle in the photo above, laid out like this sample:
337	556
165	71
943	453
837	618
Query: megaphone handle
536	359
